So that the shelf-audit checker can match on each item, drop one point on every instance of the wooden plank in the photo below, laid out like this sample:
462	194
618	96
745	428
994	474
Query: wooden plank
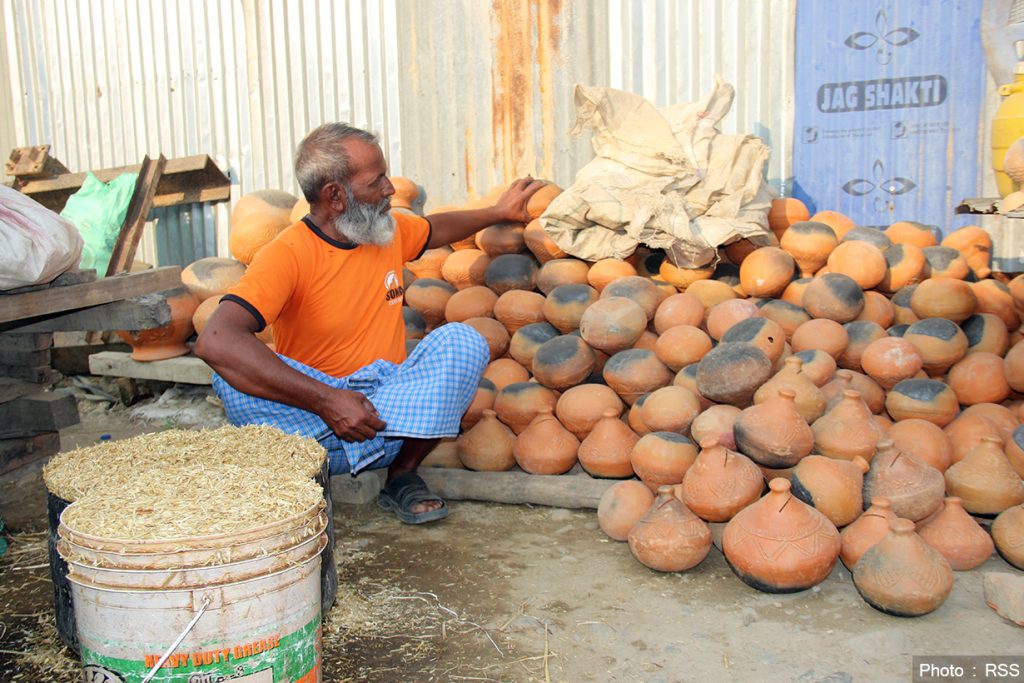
73	276
36	375
564	491
43	411
15	453
11	341
40	358
138	313
74	360
184	369
114	288
11	388
127	242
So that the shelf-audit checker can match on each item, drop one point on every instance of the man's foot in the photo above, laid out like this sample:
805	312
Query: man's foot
408	492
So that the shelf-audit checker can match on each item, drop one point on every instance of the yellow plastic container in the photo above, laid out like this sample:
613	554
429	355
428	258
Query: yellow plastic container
1008	124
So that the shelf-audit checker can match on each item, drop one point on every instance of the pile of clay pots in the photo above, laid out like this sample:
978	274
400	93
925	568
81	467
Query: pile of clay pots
839	378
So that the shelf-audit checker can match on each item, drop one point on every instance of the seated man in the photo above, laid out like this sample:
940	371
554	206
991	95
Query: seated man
331	286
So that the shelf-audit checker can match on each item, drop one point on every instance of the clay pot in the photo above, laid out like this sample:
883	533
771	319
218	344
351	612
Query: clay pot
1008	534
207	307
517	308
669	538
826	335
1013	367
634	372
545	446
687	379
869	235
976	246
527	340
621	507
607	449
1001	416
986	333
956	535
168	341
788	316
560	272
472	302
903	314
739	250
211	276
682	345
445	455
670	409
716	422
662	458
902	575
773	433
608	270
784	212
877	309
612	324
540	244
889	360
861	334
943	297
504	238
845	380
465	268
493	332
483	400
539	202
979	378
818	366
794	291
683	277
835	297
648	340
415	324
429	298
945	262
833	487
911	232
766	272
924	441
847	431
860	261
723	316
867	530
430	263
678	309
731	373
563	362
487	447
914	488
640	290
1015	450
511	271
841	224
565	305
518	403
252	232
580	407
712	292
274	202
780	544
905	265
505	371
926	399
984	480
966	431
759	332
940	342
635	418
809	243
809	399
720	482
995	298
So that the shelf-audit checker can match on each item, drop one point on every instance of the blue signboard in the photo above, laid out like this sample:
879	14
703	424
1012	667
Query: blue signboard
888	111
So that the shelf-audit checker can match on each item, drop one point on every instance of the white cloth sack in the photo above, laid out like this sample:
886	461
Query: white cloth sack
36	244
664	177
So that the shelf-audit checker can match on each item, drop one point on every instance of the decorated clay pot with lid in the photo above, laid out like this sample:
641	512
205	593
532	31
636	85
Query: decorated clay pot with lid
607	449
766	272
716	422
720	482
956	535
773	433
902	575
731	373
780	544
1008	534
662	458
809	243
867	530
669	538
809	399
621	507
487	447
580	407
847	431
168	341
915	489
545	446
833	487
818	366
984	480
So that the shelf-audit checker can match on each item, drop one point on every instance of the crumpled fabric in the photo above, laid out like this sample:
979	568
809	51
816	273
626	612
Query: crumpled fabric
36	244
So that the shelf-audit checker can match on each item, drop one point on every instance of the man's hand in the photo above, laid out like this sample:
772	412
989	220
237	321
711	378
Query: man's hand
350	415
512	202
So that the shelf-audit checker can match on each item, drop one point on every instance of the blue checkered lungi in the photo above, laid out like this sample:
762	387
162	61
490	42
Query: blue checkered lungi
421	398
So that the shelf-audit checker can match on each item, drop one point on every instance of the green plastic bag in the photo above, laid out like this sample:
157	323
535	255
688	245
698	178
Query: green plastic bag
98	210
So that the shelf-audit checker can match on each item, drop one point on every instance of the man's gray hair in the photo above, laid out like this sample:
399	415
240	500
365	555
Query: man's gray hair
321	157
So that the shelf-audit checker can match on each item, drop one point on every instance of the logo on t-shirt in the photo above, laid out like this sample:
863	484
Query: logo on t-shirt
393	289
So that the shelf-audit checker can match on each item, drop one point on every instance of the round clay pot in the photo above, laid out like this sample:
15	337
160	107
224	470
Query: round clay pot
1013	367
429	298
670	409
809	399
861	334
966	432
762	333
889	360
607	449
925	399
487	447
274	202
860	261
984	480
902	575
871	236
766	272
835	297
872	394
995	298
682	278
580	407
211	276
682	345
1008	534
788	316
773	433
539	202
465	268
504	238
716	422
527	339
517	308
739	250
914	488
712	292
956	535
905	265
493	332
562	271
943	297
817	366
443	455
867	530
780	544
483	400
1015	450
924	441
731	373
167	341
903	314
621	507
678	309
634	372
647	341
429	264
809	243
823	334
979	378
911	232
208	306
940	342
784	212
608	270
518	403
252	232
563	362
472	302
794	291
635	419
511	271
877	309
976	246
612	324
722	316
640	290
545	446
565	305
720	483
833	487
505	371
841	224
945	262
1001	416
669	538
662	458
847	431
540	243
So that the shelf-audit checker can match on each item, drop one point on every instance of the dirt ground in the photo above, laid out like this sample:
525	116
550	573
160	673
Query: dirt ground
519	593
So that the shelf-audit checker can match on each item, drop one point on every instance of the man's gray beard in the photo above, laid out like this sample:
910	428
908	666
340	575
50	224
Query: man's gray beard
365	223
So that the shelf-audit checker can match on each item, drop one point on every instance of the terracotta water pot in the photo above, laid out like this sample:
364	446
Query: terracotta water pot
429	297
621	507
465	268
607	449
634	372
940	342
612	324
984	480
860	261
914	488
713	292
905	266
995	298
902	575
979	378
1008	535
766	272
608	270
580	407
731	373
943	297
784	212
891	359
505	371
840	223
911	232
773	433
211	276
833	487
563	362
678	309
487	447
504	238
168	341
511	271
1015	450
809	243
565	305
818	366
682	277
966	432
780	544
924	441
682	345
810	400
662	458
834	296
821	334
527	339
472	302
640	290
635	417
870	235
903	314
976	246
724	315
670	409
517	308
945	262
878	309
847	431
518	403
428	266
720	482
926	399
561	271
669	538
956	535
861	333
794	291
483	400
760	332
788	316
493	332
717	422
540	243
1013	367
545	446
867	530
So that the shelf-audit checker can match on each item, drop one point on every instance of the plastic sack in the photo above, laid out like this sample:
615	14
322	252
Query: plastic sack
98	210
36	244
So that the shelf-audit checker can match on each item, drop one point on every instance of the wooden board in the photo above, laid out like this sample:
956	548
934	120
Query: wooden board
68	277
15	453
184	369
44	411
127	242
11	341
138	313
74	360
35	375
565	491
115	288
11	388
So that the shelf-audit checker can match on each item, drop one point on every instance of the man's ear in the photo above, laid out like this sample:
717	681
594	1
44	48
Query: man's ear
333	195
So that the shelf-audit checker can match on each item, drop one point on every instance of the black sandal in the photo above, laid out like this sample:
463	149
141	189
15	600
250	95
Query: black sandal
405	491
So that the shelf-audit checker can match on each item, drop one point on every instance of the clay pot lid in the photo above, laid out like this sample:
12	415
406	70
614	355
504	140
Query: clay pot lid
490	413
779	485
666	491
902	526
794	361
883	503
851	394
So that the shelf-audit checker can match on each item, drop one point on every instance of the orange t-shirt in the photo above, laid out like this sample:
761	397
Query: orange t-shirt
334	306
